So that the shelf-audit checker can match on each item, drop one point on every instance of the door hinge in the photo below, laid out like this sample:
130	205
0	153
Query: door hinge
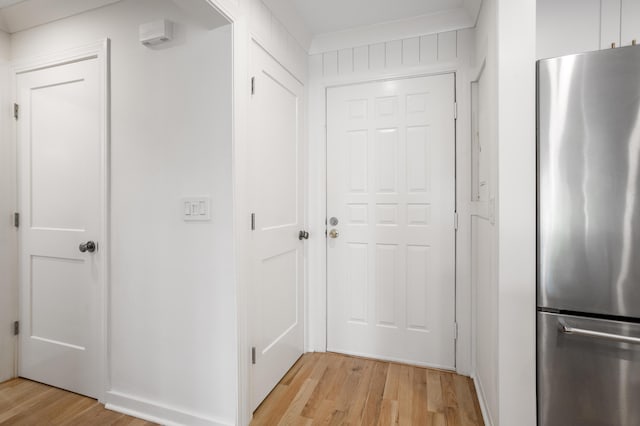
253	85
16	328
455	331
253	221
16	110
16	219
253	355
455	220
455	110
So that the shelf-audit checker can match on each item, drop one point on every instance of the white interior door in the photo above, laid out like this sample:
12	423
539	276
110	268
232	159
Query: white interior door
61	188
391	187
277	203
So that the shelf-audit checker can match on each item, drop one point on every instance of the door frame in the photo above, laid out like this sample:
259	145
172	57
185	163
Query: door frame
317	289
99	51
455	198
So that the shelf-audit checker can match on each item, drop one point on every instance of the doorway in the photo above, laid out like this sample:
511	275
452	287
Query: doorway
391	220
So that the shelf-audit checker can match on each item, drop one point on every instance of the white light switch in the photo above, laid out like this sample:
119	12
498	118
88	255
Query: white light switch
196	209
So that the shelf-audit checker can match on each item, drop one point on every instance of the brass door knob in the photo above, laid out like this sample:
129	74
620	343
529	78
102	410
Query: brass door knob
334	233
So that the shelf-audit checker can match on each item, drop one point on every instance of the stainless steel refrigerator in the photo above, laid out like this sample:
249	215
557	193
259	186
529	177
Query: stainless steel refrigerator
589	239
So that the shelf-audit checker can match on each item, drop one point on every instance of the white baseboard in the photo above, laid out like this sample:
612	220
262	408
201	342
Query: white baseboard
486	416
157	413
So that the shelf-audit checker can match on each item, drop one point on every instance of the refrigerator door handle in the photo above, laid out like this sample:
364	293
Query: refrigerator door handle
597	334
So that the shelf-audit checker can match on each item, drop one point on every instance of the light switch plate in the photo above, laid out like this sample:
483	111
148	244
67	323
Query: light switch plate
196	209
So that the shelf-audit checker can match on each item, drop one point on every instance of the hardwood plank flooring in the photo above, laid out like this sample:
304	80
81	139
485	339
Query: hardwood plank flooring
334	389
23	402
320	389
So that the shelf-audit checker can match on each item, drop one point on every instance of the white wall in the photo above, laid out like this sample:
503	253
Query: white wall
8	235
574	26
516	25
568	26
269	31
448	51
254	21
433	23
504	234
172	292
484	233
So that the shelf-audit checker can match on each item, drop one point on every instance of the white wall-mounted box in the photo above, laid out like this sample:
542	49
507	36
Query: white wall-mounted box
156	32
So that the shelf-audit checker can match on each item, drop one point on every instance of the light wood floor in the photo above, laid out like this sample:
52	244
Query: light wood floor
23	402
333	389
321	388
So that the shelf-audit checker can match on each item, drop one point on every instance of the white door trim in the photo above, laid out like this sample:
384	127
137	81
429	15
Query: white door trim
317	189
99	51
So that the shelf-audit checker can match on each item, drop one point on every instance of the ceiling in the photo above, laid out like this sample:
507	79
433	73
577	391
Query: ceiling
18	15
308	18
327	16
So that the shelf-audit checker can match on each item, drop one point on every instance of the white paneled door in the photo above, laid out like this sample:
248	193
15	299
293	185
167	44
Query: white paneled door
277	315
60	141
391	220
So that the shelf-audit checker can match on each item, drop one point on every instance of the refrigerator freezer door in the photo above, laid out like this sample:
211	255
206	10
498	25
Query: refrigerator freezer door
589	182
587	380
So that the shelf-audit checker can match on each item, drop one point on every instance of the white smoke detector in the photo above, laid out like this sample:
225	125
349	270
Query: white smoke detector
157	32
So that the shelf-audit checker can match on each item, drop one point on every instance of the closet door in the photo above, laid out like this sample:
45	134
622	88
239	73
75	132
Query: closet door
277	203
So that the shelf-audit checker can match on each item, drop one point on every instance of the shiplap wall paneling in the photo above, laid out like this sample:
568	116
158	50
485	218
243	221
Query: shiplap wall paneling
630	22
441	48
609	23
411	51
554	18
377	56
393	54
360	59
447	46
429	49
345	61
330	64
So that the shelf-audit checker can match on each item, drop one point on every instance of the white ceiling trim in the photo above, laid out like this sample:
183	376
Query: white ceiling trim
449	20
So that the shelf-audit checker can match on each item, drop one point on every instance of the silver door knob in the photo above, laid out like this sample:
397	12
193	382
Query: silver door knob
89	246
334	233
